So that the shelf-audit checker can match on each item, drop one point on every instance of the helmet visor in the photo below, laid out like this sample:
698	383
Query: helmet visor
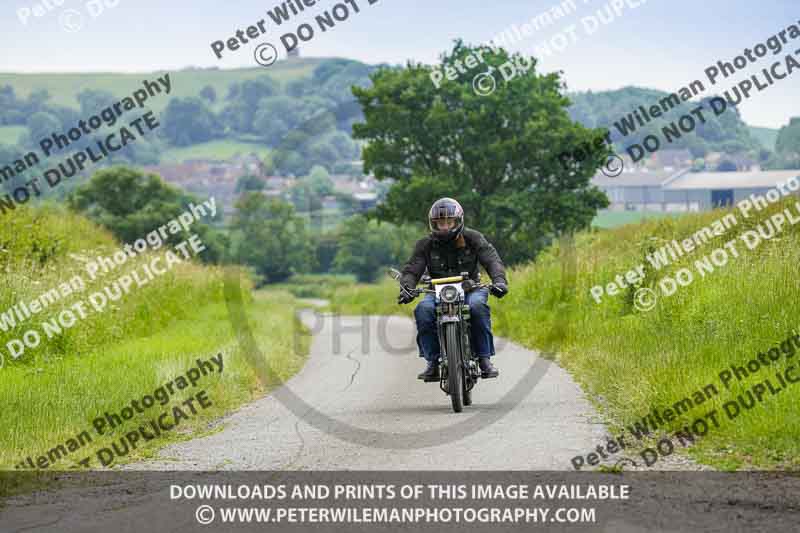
444	224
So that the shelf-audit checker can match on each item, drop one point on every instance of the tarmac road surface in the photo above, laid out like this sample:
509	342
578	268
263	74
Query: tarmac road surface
362	372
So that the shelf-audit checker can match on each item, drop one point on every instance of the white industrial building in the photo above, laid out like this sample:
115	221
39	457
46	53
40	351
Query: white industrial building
684	190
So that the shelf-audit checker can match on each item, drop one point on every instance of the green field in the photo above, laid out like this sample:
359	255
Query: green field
10	134
64	86
214	150
613	219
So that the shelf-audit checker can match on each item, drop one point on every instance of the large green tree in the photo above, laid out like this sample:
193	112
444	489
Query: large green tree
249	183
320	181
267	235
726	132
495	153
366	245
209	94
787	148
788	144
244	99
189	121
131	204
307	193
93	101
42	125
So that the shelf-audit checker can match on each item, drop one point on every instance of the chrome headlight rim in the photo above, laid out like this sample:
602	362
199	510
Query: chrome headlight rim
449	294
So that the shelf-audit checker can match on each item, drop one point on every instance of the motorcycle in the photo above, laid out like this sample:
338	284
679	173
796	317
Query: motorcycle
459	366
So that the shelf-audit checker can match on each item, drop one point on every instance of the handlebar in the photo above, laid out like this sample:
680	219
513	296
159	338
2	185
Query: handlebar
416	292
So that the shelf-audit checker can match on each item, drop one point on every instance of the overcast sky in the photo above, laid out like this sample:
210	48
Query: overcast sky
663	44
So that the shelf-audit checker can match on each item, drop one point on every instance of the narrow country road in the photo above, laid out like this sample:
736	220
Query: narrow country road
361	408
362	372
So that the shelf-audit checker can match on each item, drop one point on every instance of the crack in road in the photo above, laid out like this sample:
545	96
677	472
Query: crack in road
358	367
302	443
38	526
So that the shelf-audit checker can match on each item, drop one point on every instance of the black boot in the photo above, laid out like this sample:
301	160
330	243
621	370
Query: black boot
487	369
431	373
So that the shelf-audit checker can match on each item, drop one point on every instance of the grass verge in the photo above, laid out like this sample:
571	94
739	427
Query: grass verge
322	286
152	336
631	362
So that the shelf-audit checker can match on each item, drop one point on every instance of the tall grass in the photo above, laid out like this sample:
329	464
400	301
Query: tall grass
154	334
42	249
315	285
632	361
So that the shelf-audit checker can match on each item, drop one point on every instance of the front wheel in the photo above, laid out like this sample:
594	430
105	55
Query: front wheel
455	369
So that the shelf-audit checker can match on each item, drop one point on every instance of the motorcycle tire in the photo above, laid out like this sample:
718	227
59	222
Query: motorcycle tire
455	368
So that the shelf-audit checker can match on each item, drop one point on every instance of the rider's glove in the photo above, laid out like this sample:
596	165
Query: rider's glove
405	297
468	285
499	289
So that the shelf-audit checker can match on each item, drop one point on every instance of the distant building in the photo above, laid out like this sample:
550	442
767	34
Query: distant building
330	202
278	182
708	190
366	200
742	162
640	190
684	190
210	178
349	185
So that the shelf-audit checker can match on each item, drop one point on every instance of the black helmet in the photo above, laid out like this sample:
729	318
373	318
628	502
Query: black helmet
451	214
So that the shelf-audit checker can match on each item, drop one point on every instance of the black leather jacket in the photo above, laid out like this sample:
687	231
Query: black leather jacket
447	259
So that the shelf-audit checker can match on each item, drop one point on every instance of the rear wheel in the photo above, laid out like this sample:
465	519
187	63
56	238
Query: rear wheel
455	369
467	395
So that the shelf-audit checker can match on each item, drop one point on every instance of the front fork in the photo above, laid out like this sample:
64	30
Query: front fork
471	369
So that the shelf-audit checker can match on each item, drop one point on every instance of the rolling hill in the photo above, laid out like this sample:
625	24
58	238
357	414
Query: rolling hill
187	82
592	109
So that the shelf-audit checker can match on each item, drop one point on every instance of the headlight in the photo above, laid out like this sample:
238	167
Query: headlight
449	294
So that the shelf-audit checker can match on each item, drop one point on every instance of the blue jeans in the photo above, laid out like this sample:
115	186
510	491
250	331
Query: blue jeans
480	325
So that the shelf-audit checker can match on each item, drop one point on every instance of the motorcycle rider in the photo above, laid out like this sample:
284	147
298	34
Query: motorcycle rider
449	250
